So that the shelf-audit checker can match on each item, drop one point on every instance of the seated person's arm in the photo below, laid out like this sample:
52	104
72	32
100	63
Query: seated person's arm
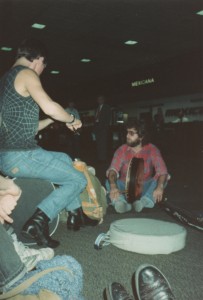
159	190
114	191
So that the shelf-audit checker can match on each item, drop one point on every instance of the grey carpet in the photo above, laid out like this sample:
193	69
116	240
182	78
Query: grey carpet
184	269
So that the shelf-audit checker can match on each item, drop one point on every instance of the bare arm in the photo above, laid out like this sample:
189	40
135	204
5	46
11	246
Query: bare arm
44	123
32	86
158	192
114	191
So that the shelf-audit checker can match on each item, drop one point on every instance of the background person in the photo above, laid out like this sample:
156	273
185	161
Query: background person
101	128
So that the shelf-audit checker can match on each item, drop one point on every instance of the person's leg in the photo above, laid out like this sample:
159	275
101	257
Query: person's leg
120	205
146	199
26	253
11	267
151	284
52	166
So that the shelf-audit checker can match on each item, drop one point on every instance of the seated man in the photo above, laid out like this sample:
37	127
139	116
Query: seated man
21	97
155	171
14	266
15	258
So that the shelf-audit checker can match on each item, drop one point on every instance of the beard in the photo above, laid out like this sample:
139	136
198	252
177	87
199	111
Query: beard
134	143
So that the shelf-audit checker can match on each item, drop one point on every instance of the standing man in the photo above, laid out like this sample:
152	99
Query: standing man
21	97
102	122
155	171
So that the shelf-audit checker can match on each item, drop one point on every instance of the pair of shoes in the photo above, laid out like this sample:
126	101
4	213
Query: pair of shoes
140	204
122	207
151	284
29	256
77	219
116	291
37	228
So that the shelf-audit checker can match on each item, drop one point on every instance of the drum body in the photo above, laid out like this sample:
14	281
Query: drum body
134	179
147	236
33	192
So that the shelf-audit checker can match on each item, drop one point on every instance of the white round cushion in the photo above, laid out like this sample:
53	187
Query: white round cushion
147	236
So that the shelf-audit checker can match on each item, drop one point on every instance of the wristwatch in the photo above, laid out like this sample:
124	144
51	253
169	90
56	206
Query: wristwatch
72	120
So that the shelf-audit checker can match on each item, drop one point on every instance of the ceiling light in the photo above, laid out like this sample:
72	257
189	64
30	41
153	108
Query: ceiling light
6	49
85	60
200	13
55	72
38	26
130	42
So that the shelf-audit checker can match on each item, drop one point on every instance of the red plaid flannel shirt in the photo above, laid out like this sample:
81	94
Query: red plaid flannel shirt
154	165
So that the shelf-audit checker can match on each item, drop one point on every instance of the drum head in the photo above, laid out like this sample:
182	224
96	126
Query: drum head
147	236
33	192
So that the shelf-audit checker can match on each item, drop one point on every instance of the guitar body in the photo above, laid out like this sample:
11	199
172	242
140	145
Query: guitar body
193	219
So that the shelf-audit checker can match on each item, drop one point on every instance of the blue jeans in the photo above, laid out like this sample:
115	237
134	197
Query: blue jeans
11	267
147	191
56	167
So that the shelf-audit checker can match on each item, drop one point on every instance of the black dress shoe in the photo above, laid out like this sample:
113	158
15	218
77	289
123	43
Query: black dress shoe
77	219
116	291
151	284
37	228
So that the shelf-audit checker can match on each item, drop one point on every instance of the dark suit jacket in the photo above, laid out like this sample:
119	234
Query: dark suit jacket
104	116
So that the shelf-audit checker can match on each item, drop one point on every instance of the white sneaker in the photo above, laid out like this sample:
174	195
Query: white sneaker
30	256
139	204
30	262
122	207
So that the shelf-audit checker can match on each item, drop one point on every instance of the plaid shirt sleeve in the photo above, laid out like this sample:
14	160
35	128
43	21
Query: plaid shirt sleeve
158	162
117	161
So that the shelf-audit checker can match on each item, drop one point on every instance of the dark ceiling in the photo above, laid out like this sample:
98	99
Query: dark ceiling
169	48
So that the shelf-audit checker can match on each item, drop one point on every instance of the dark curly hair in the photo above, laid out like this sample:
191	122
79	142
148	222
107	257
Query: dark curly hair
32	49
141	128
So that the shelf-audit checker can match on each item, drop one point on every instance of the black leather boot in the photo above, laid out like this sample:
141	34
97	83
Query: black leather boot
37	228
77	219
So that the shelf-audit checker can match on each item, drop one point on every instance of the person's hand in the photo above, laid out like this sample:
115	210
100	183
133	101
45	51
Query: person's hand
158	194
9	195
114	194
75	125
7	204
